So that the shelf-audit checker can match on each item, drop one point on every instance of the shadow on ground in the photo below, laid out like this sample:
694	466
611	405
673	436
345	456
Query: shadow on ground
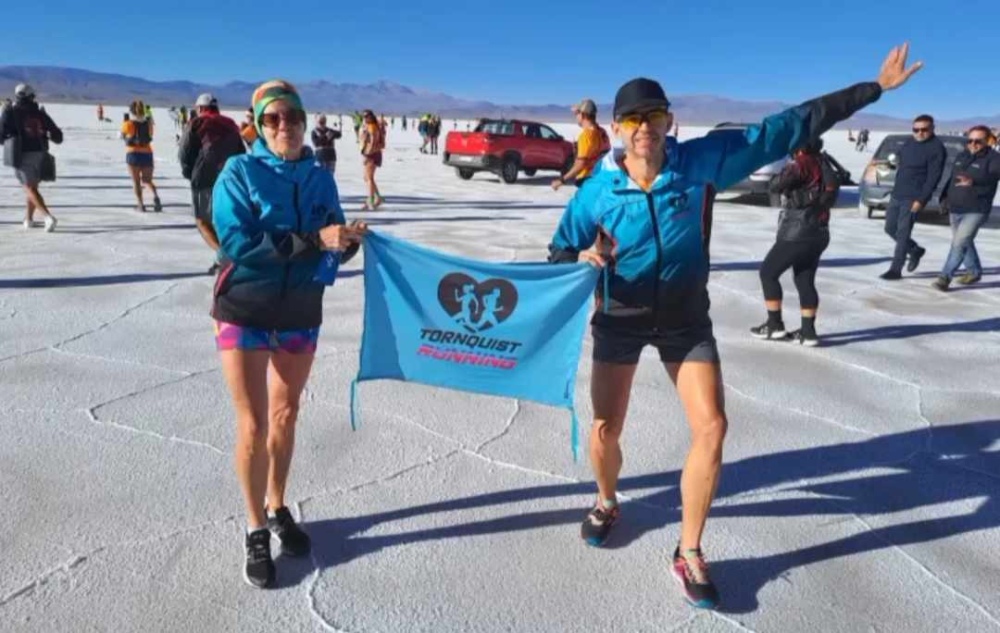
965	452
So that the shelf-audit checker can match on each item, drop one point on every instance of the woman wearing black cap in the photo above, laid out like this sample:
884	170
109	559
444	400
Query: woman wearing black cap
647	221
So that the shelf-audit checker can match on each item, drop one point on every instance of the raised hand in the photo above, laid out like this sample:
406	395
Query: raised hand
894	72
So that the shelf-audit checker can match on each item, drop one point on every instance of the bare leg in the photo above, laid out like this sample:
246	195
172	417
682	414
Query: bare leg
288	374
36	201
699	385
133	171
246	375
610	387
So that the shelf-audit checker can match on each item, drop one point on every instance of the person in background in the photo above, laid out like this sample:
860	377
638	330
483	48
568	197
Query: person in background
921	164
210	141
268	308
591	145
968	197
248	130
184	115
25	132
809	187
372	143
138	136
323	140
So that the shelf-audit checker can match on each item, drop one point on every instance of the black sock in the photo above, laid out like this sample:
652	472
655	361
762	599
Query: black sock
774	319
809	325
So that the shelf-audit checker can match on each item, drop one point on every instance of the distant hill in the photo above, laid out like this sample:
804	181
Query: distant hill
70	85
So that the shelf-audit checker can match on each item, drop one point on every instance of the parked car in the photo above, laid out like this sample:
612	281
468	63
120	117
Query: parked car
759	182
880	174
507	148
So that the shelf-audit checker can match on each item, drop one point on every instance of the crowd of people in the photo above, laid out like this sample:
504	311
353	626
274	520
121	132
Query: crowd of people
249	183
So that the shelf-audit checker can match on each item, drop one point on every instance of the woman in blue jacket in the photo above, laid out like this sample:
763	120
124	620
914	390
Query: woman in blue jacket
646	221
276	212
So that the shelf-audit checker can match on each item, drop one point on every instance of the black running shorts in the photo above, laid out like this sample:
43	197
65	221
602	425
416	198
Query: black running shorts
623	346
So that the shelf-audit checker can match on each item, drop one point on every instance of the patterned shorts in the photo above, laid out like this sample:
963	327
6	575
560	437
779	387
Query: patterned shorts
229	336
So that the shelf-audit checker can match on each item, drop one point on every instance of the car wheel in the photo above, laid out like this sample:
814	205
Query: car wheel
530	172
508	170
465	173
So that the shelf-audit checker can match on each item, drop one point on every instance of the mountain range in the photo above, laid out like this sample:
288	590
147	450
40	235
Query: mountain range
71	85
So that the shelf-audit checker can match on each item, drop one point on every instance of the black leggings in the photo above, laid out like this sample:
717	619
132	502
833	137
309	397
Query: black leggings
803	258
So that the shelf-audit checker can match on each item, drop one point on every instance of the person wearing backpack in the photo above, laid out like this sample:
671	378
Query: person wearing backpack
323	140
25	132
809	187
208	142
137	132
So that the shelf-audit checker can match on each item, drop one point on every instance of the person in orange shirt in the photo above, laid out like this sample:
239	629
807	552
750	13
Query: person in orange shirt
592	143
372	141
137	132
248	130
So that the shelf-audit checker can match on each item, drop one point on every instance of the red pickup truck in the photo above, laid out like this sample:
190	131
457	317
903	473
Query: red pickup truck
507	148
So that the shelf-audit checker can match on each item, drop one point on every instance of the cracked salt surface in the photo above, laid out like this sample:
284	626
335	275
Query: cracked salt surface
859	490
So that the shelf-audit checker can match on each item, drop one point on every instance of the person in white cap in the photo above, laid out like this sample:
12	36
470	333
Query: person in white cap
25	130
207	144
591	145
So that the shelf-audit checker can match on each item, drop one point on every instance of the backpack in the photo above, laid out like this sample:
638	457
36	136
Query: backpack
140	134
829	188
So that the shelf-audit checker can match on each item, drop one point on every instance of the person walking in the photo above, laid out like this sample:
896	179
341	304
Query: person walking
809	187
372	143
137	133
646	221
968	197
323	140
268	307
921	164
25	131
210	141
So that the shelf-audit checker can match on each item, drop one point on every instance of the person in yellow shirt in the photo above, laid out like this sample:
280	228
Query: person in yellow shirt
592	143
137	132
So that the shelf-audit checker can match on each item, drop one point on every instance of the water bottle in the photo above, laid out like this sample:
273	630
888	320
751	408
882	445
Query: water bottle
326	272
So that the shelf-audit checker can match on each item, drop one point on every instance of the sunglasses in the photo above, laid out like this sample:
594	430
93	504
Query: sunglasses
976	141
290	117
921	130
632	122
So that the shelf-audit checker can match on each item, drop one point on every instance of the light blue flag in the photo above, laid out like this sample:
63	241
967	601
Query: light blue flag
512	330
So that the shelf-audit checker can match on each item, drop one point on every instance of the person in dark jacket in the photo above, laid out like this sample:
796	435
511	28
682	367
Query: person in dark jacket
646	220
323	139
968	197
277	214
207	144
808	186
25	132
921	164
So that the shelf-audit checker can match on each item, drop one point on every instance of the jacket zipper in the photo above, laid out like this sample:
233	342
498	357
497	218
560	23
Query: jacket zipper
298	229
659	260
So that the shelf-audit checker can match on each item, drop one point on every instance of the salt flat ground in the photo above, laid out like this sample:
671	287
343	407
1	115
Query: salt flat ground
860	483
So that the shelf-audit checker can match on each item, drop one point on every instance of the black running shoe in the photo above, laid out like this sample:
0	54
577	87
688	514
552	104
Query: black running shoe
769	332
597	526
803	338
891	275
915	258
692	572
259	569
294	542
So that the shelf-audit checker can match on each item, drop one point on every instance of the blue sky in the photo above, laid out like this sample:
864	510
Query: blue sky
524	52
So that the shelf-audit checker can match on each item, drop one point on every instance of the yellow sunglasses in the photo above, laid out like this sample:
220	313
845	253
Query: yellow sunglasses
656	118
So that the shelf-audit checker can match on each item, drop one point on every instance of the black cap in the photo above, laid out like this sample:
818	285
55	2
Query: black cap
640	95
